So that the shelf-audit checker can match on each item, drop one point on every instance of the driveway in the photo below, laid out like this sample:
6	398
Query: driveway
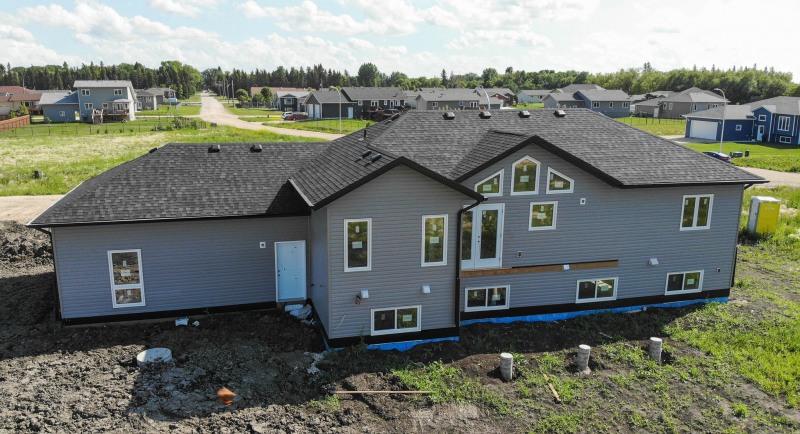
213	111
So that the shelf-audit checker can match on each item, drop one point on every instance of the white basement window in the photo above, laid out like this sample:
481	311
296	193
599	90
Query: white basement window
491	186
543	216
688	281
558	183
696	212
596	290
396	320
358	244
434	240
127	284
785	139
491	298
525	176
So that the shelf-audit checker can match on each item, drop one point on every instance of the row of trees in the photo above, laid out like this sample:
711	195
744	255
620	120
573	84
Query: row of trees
741	85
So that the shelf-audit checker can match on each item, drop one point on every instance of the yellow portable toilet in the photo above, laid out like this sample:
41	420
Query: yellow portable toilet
764	211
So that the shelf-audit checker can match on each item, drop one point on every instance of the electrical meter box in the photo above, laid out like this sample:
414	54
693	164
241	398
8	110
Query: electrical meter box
763	219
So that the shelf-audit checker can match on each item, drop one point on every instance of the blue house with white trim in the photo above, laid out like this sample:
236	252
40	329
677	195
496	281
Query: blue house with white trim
775	120
407	230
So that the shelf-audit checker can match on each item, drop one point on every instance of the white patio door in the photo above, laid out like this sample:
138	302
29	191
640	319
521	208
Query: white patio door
290	270
482	237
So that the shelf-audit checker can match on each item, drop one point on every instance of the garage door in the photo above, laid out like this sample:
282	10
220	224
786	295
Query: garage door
703	130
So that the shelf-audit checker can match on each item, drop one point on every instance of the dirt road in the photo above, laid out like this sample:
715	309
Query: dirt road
24	208
213	111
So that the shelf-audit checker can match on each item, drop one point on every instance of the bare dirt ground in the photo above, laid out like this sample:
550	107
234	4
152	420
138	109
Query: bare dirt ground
84	379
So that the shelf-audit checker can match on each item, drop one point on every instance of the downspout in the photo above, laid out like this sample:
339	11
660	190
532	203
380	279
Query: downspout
55	273
459	236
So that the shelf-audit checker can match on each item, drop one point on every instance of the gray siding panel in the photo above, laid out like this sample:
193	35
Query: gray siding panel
630	225
396	202
189	264
319	292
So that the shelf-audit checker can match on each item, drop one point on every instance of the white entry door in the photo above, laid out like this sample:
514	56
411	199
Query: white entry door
290	270
760	134
349	112
482	242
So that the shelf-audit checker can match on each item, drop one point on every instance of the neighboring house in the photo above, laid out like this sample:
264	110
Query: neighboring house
612	103
563	100
774	120
374	98
648	108
61	106
329	104
688	101
289	99
146	100
531	96
102	100
163	95
504	94
455	99
572	88
11	97
408	230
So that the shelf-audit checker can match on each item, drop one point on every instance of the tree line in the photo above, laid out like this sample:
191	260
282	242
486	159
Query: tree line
741	85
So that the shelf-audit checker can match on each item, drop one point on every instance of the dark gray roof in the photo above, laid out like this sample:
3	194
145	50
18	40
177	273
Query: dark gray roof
328	96
60	97
563	97
82	84
499	90
732	112
145	92
604	95
572	88
785	105
373	93
185	181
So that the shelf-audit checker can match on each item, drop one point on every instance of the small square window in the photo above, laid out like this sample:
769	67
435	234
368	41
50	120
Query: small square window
543	216
625	105
739	127
396	320
689	281
88	106
595	104
491	298
596	290
117	92
84	92
62	113
435	104
762	118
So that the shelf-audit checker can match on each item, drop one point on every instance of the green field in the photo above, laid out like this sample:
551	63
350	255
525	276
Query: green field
165	110
67	160
773	156
139	126
657	126
324	126
239	111
533	105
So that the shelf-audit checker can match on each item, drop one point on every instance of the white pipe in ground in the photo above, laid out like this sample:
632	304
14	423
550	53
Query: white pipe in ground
507	366
583	359
655	349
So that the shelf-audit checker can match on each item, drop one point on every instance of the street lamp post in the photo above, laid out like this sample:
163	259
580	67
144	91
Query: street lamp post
478	90
724	106
340	109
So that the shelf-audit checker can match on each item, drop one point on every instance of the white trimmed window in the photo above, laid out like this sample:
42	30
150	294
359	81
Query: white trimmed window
696	212
62	113
435	104
396	320
611	104
595	104
739	127
461	103
487	298
491	186
117	92
473	104
105	105
783	123
88	106
360	103
434	240
785	139
669	106
558	183
596	290
762	118
85	92
543	216
525	176
357	244
373	103
127	284
688	281
625	105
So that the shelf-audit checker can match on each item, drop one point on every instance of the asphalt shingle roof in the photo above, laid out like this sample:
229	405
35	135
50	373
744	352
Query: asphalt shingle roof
329	96
786	105
373	93
604	95
572	88
83	84
185	181
60	97
732	112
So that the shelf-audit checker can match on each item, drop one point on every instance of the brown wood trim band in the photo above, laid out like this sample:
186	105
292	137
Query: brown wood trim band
540	268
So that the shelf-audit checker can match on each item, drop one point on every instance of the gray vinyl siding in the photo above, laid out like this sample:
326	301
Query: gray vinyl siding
99	95
54	112
396	202
678	109
630	225
618	111
319	290
188	264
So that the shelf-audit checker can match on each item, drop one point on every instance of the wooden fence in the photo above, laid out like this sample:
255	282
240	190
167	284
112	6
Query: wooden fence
22	121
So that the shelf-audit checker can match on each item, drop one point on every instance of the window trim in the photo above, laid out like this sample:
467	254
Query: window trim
611	104
368	267
694	226
784	139
88	106
738	127
373	103
595	104
684	291
395	330
762	118
444	242
625	104
555	216
435	104
86	92
486	307
501	173
117	92
536	175
595	299
115	286
783	120
62	113
547	184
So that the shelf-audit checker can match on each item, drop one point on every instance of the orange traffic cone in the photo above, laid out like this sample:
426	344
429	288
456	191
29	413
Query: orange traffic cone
226	396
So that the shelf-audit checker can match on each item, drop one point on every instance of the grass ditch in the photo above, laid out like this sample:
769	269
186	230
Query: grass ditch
325	125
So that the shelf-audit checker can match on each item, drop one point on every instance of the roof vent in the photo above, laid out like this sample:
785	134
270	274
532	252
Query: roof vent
213	149
152	150
485	114
560	113
449	116
256	148
524	114
373	159
364	155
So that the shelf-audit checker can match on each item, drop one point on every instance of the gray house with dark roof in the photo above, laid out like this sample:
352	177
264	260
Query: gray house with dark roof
329	104
408	230
374	98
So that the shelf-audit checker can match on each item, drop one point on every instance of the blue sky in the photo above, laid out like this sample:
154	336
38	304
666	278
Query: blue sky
419	38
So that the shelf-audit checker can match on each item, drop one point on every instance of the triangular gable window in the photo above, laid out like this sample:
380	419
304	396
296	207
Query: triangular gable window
525	176
491	186
558	182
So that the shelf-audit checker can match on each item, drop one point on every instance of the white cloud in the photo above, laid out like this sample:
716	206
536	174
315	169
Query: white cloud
21	49
498	38
360	44
189	8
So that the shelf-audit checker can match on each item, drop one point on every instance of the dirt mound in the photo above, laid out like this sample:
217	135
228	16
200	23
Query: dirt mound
22	246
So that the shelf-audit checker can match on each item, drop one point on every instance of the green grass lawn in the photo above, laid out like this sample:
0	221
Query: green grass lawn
657	126
773	156
325	126
532	105
139	126
165	110
67	159
238	111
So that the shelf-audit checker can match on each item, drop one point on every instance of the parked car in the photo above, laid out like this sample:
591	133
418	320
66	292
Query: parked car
285	115
296	116
719	156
